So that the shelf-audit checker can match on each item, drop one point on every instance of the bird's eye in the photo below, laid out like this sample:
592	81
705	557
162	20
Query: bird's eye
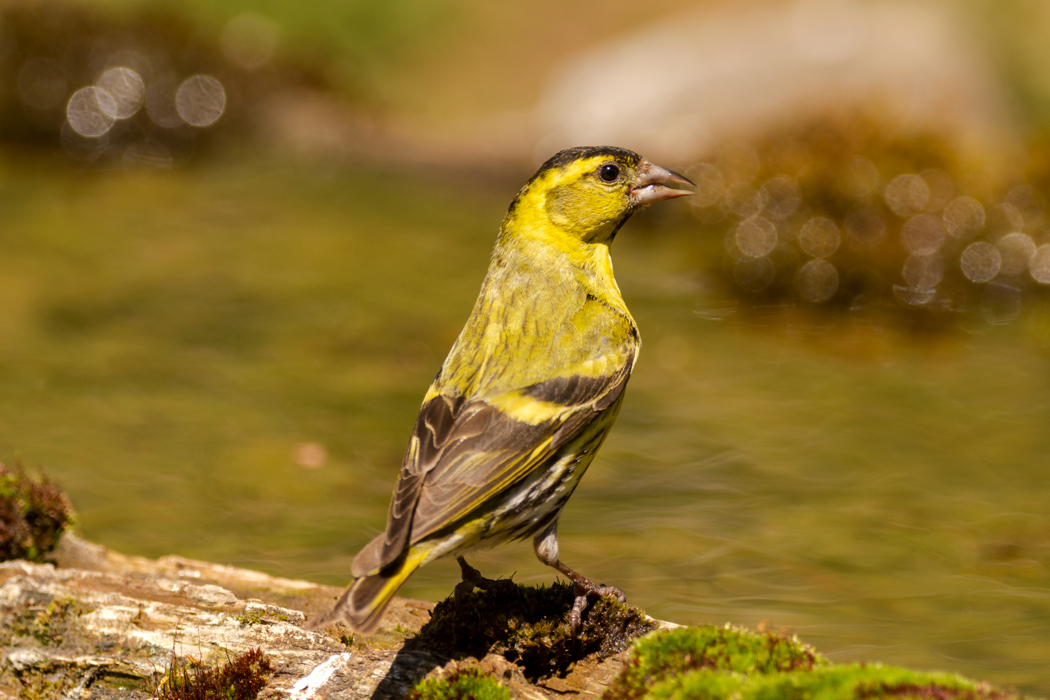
609	172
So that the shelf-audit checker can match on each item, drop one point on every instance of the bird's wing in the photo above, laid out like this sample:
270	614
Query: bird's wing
463	452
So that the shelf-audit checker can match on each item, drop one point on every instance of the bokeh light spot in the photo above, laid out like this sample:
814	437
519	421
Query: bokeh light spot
907	195
922	234
914	296
1016	249
126	89
200	100
923	271
1028	202
781	196
149	152
310	455
1039	265
1002	219
980	261
941	189
90	111
80	147
819	237
963	217
1001	303
744	200
817	281
756	236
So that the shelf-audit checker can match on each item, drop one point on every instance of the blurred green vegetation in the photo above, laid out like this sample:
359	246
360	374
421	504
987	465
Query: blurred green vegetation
361	41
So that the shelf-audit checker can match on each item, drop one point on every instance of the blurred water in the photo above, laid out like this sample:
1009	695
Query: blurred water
225	364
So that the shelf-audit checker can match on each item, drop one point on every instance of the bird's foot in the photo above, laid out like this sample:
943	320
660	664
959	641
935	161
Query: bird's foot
472	579
584	589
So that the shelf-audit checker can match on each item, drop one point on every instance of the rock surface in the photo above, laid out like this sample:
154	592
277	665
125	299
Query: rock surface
103	625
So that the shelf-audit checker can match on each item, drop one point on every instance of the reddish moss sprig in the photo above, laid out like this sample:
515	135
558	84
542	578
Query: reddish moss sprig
239	679
33	515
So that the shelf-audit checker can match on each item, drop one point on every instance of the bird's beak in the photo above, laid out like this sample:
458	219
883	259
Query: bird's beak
653	184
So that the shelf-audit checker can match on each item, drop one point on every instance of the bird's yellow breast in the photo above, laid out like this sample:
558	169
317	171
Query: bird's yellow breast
547	308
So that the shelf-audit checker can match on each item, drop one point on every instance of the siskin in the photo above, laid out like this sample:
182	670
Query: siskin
529	390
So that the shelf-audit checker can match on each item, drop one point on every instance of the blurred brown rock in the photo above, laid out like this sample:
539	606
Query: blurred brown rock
675	89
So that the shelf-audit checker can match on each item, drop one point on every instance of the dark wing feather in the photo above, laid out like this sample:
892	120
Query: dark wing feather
470	470
463	453
434	424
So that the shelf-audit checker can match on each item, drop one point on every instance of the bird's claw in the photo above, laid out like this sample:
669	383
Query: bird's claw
472	579
583	591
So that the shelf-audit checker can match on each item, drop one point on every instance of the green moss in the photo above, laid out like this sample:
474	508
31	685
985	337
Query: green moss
239	679
672	654
257	616
529	626
35	685
851	682
710	663
33	515
124	683
251	618
461	684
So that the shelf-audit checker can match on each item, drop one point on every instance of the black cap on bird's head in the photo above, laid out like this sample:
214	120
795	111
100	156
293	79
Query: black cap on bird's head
651	186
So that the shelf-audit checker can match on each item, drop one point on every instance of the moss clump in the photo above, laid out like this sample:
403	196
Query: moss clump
461	684
725	662
923	686
851	682
33	515
529	626
672	654
239	679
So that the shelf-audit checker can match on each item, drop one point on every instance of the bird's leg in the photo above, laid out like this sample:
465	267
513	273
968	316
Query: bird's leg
472	579
546	546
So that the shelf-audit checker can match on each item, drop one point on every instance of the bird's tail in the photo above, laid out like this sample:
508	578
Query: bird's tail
362	605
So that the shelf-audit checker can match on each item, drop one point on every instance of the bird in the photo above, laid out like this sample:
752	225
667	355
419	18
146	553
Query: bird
529	390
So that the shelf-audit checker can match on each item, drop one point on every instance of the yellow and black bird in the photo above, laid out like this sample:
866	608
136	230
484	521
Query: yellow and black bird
528	391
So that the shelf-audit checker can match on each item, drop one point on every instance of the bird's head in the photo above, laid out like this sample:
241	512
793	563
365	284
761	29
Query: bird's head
589	192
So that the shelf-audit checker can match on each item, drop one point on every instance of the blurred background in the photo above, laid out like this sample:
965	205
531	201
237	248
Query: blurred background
238	238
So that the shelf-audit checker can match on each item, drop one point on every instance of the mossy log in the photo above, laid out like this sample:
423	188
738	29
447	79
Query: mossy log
104	625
